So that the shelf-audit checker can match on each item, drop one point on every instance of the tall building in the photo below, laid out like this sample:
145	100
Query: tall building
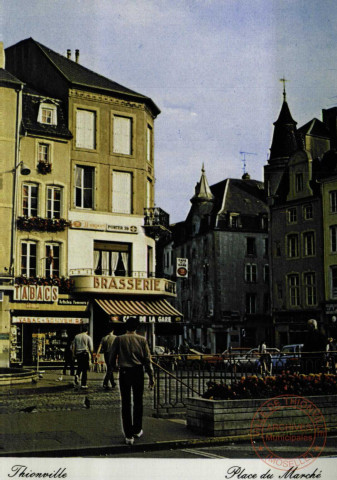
225	299
82	223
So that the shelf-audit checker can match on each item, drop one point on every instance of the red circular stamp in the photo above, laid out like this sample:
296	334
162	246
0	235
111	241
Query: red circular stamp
288	431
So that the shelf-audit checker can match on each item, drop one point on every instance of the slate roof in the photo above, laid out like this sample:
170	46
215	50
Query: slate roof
80	76
315	128
284	142
30	110
8	78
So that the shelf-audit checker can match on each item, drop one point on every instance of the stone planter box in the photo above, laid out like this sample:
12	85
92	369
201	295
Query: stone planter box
218	418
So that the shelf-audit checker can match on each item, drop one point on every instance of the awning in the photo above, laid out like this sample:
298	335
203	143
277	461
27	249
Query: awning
150	310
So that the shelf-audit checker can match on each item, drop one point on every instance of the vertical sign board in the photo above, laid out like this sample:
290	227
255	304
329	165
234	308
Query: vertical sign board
182	267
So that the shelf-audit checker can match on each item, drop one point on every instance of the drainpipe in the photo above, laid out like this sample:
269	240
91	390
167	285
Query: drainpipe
15	177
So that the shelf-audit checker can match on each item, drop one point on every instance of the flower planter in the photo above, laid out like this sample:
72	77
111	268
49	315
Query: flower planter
217	418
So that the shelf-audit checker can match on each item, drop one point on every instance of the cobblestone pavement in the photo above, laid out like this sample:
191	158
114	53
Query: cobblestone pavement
72	398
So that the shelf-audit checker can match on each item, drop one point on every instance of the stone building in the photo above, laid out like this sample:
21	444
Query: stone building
80	223
225	299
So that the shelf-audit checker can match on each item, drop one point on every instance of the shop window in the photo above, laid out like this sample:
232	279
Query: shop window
28	259
121	192
122	135
112	259
52	260
86	129
29	199
84	187
54	196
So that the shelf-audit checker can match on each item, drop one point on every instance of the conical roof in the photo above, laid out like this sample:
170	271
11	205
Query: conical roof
202	191
284	142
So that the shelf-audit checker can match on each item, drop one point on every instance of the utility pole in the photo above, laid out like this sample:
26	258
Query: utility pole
243	159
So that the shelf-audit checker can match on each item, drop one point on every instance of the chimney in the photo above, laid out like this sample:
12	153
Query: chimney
2	55
77	55
68	54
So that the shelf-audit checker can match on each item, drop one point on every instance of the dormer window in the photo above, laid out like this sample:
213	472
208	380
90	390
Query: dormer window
234	220
47	114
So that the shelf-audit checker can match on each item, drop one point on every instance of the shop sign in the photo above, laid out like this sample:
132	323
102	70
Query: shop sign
182	267
147	318
71	301
63	320
122	228
331	308
36	293
134	285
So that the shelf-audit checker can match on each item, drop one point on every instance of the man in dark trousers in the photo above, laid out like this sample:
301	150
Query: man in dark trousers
133	355
314	348
83	350
105	347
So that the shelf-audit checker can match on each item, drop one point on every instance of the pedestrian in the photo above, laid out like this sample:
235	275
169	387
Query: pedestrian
265	359
314	348
132	353
83	352
331	355
68	358
105	348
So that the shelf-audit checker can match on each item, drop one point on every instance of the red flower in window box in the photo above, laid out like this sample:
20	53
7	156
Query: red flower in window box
43	167
42	224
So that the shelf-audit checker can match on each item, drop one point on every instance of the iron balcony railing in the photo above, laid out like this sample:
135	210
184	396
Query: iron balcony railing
156	217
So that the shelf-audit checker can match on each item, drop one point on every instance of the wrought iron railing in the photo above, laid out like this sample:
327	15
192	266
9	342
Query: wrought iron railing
156	217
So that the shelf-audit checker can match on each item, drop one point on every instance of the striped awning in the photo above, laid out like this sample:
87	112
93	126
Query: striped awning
150	310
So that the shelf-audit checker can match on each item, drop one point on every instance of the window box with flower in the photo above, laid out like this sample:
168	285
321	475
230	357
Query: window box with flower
43	167
65	284
42	224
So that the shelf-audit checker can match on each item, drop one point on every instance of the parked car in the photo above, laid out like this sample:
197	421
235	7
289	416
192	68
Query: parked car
289	358
195	358
253	357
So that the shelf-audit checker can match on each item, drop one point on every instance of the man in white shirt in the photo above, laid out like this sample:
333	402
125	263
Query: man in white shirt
105	347
82	349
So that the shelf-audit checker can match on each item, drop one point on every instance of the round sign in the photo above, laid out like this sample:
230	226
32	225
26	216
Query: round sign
182	271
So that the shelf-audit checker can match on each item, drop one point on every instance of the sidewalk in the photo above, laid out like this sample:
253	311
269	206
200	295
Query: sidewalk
83	432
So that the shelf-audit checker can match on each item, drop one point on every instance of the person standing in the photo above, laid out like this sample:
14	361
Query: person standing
265	359
105	348
83	351
314	348
132	353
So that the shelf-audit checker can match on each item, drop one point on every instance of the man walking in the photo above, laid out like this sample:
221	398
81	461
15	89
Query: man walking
133	354
105	347
82	348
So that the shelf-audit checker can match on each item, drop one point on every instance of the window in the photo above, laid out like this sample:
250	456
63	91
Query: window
250	273
150	272
277	245
294	290
47	114
149	144
310	289
266	274
29	200
292	215
266	247
85	129
122	135
308	214
333	201
279	290
112	259
234	220
121	192
43	153
299	182
54	202
266	303
52	260
250	302
264	222
293	245
84	187
148	193
333	281
333	238
309	244
251	246
28	259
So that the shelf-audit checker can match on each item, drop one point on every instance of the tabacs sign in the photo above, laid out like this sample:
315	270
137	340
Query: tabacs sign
182	267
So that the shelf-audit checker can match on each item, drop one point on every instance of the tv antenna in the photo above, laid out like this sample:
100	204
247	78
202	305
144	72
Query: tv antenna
243	159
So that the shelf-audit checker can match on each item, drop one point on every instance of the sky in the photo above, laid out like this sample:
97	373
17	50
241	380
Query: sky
213	67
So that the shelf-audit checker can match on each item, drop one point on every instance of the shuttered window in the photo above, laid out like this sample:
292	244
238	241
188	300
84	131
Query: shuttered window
122	135
121	192
85	129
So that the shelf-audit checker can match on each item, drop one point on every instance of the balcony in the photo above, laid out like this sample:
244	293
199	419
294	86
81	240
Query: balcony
86	281
156	222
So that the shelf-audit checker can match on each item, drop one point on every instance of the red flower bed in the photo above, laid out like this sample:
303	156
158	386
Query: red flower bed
255	387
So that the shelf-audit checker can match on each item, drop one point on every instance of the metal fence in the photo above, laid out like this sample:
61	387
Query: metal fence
181	376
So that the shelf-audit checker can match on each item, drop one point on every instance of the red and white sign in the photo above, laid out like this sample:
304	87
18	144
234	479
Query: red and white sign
36	293
64	320
182	267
